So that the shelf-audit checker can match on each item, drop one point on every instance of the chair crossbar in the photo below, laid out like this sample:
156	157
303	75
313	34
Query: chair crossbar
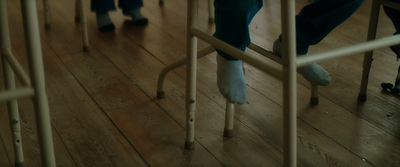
8	95
16	66
350	50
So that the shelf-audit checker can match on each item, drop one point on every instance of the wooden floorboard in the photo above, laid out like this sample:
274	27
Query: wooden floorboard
105	111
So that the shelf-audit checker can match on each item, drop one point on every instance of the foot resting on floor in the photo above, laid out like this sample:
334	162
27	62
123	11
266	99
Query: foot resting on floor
230	80
104	22
137	17
314	73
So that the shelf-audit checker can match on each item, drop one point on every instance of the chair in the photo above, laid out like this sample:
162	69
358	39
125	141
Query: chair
33	87
288	75
80	17
373	24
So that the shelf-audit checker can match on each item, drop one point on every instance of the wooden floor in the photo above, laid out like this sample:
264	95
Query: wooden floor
105	112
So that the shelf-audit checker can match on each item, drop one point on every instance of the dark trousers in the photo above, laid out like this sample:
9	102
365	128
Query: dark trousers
314	22
104	6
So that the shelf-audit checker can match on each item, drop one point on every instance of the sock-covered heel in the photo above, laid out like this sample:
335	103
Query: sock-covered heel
137	17
314	73
104	22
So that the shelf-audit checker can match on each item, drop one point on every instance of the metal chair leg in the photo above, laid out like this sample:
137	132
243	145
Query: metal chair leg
46	7
191	66
229	117
80	16
9	79
32	36
373	25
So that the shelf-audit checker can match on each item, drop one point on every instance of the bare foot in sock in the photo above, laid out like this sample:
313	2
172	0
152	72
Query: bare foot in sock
230	80
137	17
104	22
314	73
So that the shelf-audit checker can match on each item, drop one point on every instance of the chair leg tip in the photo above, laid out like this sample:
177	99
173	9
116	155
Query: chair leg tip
47	26
189	145
160	94
362	97
85	48
20	164
228	133
314	101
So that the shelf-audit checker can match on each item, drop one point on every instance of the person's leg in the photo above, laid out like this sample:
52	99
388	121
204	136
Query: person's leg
232	18
314	22
102	7
132	8
317	20
394	15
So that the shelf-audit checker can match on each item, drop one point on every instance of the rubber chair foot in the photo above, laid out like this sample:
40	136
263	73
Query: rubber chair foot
189	145
362	97
314	101
160	94
228	133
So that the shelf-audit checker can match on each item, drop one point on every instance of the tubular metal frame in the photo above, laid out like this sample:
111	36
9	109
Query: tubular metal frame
289	63
33	87
80	16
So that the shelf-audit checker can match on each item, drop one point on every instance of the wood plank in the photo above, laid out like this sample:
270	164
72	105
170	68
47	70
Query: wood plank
73	110
129	67
4	157
105	86
115	108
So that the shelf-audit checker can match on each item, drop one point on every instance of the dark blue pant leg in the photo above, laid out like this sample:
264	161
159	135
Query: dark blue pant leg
109	5
317	20
232	19
102	6
129	5
394	15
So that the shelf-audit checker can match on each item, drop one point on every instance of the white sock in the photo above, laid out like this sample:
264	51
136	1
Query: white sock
230	80
314	73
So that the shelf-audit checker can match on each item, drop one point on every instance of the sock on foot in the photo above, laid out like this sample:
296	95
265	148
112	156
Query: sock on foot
230	80
137	17
104	22
314	73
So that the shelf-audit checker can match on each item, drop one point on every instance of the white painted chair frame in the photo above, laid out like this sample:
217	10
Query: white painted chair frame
33	87
373	25
80	17
288	75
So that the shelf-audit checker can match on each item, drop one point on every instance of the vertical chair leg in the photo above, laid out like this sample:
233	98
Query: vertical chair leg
32	37
373	25
289	82
191	68
46	7
9	79
80	10
13	113
77	14
229	116
210	12
314	100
